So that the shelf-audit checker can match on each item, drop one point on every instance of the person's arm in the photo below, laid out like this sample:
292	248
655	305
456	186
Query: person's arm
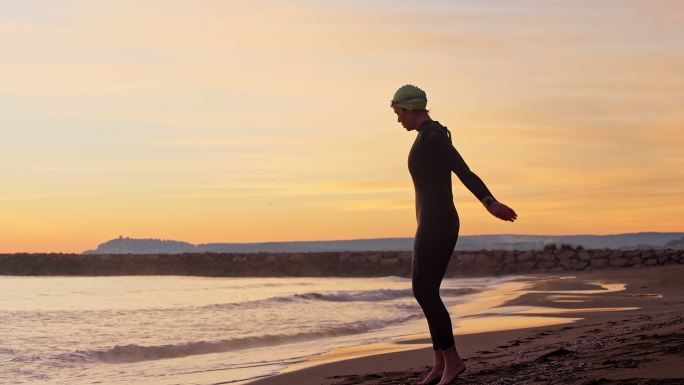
447	153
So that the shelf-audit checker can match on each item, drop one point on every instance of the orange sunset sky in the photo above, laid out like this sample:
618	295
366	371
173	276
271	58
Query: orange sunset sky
250	121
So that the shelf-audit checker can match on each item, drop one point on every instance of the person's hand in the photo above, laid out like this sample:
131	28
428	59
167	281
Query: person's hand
502	211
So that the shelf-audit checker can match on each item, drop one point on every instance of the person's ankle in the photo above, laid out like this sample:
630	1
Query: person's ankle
450	353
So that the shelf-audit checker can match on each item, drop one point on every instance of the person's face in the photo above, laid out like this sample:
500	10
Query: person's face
403	117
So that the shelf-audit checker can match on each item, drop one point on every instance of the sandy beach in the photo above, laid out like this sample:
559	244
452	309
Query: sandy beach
633	335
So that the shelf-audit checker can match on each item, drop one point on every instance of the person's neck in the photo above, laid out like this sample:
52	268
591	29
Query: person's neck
422	119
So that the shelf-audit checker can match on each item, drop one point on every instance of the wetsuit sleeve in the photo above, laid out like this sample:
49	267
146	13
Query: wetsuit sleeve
447	154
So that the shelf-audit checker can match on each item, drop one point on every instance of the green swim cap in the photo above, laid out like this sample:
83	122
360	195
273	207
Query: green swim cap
409	97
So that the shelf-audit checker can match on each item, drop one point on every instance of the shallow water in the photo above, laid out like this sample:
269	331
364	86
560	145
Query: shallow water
202	330
163	329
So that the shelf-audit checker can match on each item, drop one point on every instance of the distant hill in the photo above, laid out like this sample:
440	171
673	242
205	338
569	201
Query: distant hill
676	244
123	245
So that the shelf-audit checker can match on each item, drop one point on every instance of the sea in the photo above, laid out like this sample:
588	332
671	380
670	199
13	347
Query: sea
207	330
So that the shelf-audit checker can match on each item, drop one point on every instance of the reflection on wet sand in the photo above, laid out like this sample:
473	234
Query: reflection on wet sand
489	311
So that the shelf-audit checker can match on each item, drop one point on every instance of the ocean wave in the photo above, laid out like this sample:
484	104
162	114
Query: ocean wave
395	278
136	353
352	296
8	351
458	291
260	284
338	296
375	295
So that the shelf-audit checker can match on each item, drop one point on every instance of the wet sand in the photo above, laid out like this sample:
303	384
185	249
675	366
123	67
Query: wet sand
630	336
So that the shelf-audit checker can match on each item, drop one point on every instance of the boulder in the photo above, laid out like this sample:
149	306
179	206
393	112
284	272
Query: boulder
545	264
632	253
566	254
358	260
527	256
599	263
651	262
389	261
580	264
646	254
620	262
526	266
405	255
617	254
509	259
509	268
567	263
602	254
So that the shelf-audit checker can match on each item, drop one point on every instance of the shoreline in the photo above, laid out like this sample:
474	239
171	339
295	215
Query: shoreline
611	337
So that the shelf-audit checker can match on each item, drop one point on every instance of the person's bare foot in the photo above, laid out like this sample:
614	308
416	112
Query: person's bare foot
434	376
451	372
437	370
453	365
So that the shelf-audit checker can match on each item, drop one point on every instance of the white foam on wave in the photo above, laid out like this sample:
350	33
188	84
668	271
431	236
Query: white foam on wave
351	296
395	278
339	296
375	295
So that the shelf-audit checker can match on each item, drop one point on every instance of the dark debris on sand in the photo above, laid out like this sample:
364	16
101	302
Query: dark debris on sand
637	381
585	361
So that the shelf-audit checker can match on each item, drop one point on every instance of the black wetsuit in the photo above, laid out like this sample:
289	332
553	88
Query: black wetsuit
431	161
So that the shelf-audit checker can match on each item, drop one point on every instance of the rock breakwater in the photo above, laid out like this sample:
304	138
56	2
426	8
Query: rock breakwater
339	264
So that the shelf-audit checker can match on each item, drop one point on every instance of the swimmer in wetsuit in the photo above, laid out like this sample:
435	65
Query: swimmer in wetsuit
431	161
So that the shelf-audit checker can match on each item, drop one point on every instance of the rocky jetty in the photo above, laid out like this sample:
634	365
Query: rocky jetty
338	264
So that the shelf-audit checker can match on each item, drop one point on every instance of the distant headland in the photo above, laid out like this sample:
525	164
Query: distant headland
628	241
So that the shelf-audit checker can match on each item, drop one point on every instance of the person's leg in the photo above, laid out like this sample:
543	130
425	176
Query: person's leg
430	260
426	291
453	364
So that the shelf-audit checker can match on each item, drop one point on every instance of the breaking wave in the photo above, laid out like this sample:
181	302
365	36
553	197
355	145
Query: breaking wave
136	353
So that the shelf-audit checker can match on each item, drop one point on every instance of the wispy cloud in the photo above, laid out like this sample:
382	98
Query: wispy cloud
148	115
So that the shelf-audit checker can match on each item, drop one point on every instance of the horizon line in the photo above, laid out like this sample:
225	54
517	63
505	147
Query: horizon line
377	238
